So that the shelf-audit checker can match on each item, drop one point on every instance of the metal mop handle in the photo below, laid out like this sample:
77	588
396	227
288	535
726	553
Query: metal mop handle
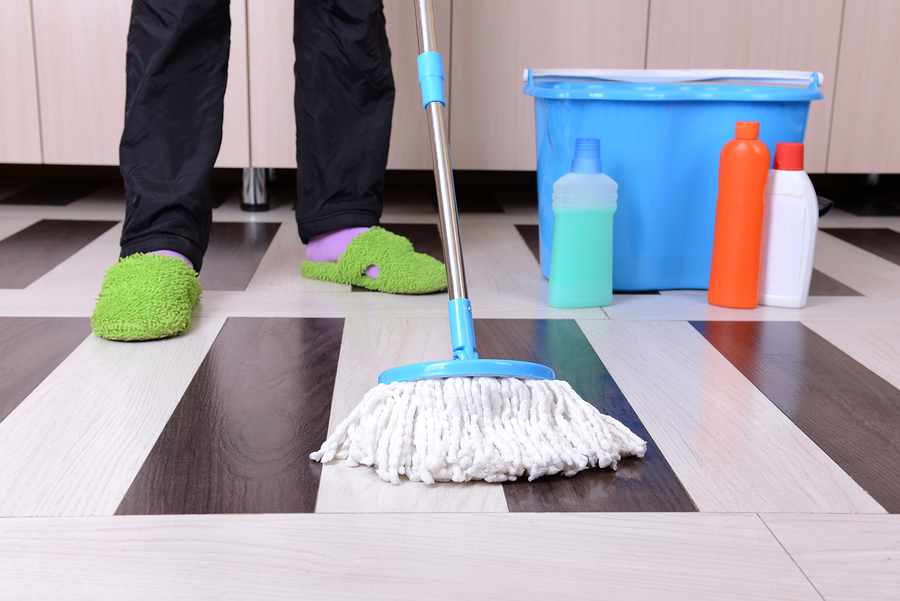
440	152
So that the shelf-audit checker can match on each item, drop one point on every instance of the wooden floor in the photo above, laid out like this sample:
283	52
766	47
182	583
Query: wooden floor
179	468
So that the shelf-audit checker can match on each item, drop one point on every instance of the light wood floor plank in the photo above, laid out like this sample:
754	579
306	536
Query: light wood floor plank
669	307
369	347
693	307
56	303
846	557
731	447
498	259
279	269
74	445
511	557
861	270
323	304
532	305
274	303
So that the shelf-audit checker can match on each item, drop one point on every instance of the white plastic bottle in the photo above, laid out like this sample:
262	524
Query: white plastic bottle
584	202
789	231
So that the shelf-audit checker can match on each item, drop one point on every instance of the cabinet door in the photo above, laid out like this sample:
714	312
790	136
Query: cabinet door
80	50
20	137
270	51
764	34
410	140
864	136
494	42
235	150
273	139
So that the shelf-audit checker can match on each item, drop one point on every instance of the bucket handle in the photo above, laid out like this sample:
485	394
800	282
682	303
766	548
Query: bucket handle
812	79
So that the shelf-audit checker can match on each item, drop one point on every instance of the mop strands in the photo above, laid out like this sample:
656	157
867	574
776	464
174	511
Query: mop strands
482	428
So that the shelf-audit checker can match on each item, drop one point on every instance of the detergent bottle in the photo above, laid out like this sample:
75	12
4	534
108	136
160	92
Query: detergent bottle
584	202
789	230
740	209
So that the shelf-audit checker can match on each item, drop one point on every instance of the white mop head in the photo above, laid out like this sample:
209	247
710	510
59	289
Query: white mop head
460	429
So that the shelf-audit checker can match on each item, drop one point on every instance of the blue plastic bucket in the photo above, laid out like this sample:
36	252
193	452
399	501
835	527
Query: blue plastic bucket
660	141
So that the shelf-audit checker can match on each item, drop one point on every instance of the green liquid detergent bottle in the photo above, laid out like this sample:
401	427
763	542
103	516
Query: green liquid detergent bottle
584	202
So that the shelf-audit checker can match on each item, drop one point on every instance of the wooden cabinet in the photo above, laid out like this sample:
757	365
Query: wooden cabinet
20	135
235	151
80	54
63	95
270	30
800	35
865	128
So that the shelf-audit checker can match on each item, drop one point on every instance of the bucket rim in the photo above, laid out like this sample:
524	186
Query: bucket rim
674	85
668	92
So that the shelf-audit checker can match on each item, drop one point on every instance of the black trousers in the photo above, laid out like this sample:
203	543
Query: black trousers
176	68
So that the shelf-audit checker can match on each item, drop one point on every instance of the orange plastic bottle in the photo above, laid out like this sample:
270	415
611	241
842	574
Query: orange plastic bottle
740	208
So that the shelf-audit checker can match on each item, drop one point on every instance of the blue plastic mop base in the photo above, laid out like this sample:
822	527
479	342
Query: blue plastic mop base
463	368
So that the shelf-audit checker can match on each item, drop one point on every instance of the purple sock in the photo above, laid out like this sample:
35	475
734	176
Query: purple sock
173	254
329	247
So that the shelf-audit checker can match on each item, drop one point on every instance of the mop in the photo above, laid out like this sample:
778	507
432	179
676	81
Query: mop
470	418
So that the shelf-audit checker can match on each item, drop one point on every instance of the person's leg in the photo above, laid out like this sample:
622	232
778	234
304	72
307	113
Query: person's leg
344	100
176	68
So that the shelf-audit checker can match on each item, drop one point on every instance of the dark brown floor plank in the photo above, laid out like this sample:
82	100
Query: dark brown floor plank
847	410
235	250
855	194
31	348
222	191
476	198
470	198
30	253
647	484
879	241
56	192
823	285
239	440
401	196
425	237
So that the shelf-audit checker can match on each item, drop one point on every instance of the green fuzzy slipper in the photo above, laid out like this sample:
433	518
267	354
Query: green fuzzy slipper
145	297
401	270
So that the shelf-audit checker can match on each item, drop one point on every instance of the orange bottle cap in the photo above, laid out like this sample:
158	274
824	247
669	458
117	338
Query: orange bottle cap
747	130
789	156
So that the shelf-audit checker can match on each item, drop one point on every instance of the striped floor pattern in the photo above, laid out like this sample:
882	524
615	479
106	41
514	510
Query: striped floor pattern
180	468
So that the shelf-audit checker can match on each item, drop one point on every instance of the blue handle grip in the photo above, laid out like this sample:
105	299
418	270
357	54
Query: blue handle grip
462	329
431	78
